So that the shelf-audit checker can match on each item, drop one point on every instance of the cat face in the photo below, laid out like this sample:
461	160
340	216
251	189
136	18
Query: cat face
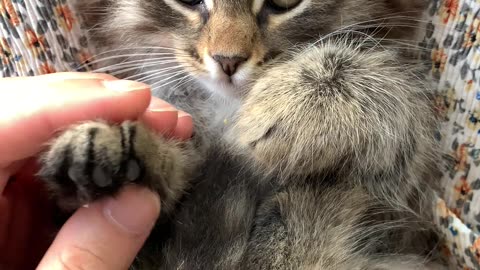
225	44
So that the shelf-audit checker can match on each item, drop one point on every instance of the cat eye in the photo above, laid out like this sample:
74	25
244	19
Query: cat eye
283	5
191	2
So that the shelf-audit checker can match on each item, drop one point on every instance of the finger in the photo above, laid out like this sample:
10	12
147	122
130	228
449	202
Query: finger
184	128
167	120
5	173
106	235
74	75
4	177
161	116
5	215
29	224
19	230
61	76
31	114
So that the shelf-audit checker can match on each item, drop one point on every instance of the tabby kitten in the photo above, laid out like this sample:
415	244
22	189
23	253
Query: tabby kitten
314	135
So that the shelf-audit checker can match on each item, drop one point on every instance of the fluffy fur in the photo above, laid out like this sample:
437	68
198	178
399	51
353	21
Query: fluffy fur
317	153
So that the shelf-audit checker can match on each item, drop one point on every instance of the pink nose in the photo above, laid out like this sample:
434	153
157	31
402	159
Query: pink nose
229	64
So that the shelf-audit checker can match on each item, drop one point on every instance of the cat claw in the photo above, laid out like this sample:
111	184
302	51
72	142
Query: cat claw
133	170
101	177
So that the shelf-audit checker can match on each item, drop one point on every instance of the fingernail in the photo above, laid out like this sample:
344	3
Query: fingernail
135	210
183	114
124	85
158	105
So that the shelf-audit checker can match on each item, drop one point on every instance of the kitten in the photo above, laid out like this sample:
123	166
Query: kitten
313	145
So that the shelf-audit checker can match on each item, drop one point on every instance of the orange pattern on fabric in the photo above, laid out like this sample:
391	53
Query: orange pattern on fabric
10	10
5	52
46	69
39	37
449	10
66	14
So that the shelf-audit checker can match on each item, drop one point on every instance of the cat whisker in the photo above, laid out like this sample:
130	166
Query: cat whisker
384	41
392	17
171	74
137	50
156	86
153	73
95	13
138	63
127	61
93	28
128	56
139	76
184	82
390	26
132	66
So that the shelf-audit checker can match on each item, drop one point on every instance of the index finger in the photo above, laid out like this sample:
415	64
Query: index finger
32	109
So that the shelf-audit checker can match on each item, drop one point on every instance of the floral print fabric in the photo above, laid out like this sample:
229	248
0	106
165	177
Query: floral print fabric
39	37
44	36
452	42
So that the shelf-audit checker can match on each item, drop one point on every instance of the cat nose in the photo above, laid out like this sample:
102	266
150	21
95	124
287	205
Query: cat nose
229	64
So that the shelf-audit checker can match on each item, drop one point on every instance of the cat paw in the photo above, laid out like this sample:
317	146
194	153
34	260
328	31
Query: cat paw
91	160
328	110
95	159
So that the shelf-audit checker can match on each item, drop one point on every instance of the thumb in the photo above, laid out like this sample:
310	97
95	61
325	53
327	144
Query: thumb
106	235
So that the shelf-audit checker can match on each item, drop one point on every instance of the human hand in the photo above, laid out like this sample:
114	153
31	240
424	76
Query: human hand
107	234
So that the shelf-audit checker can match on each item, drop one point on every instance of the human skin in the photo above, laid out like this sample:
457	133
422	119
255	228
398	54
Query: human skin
32	111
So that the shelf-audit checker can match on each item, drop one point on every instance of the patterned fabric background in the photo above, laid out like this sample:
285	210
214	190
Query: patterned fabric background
39	37
44	36
452	40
